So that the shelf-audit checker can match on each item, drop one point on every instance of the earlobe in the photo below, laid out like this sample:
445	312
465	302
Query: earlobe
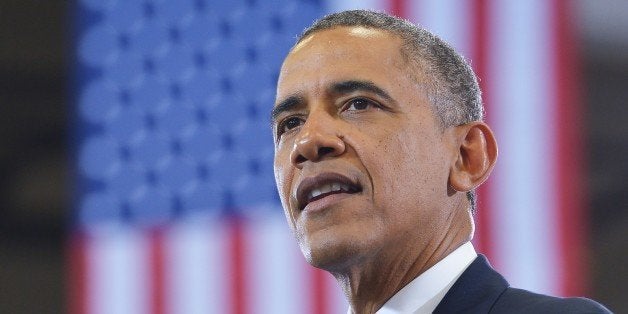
476	156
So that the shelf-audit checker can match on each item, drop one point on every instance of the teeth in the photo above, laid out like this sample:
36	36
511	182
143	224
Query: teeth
315	193
326	188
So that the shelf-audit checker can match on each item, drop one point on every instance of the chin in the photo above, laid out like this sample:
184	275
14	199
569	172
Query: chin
332	253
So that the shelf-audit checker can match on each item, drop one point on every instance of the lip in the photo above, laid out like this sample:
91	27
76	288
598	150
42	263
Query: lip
308	184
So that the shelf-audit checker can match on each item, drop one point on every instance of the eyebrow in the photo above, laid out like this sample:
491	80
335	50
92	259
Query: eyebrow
287	104
343	87
346	87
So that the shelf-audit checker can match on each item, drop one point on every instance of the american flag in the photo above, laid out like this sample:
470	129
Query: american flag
176	209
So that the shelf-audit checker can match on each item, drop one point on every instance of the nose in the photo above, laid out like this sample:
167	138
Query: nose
318	138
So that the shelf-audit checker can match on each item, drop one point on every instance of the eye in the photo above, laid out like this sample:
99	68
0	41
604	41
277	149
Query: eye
288	124
358	104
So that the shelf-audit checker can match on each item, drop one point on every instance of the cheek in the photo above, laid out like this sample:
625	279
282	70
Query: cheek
405	170
284	171
282	179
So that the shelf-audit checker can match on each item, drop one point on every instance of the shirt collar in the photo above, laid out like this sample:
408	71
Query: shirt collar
423	294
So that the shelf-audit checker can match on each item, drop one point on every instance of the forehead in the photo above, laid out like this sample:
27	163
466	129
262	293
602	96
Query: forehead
356	35
343	53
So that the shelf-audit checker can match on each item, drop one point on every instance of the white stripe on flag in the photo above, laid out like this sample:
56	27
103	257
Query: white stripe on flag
524	208
336	6
276	267
337	301
449	19
117	272
195	267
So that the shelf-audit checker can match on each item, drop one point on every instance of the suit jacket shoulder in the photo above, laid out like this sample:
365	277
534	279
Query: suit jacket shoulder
480	289
522	301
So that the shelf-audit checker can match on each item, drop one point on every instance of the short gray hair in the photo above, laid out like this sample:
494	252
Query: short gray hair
451	84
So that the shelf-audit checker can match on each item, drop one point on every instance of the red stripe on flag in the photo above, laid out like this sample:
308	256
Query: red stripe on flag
157	257
237	260
569	159
320	299
480	52
77	281
398	8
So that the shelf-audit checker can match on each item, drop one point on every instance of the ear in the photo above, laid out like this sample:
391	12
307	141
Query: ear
476	156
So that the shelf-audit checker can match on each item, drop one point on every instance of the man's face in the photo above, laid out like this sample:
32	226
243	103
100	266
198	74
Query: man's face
361	163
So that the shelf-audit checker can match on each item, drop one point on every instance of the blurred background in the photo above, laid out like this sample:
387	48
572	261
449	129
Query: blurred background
134	141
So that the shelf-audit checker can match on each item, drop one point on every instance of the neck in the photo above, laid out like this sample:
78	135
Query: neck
369	283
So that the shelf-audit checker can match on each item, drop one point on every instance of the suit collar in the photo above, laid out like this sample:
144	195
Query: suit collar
477	289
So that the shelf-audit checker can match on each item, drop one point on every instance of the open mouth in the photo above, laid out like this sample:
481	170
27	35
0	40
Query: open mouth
321	186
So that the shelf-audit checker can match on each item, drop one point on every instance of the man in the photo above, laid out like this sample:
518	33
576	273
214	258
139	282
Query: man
379	145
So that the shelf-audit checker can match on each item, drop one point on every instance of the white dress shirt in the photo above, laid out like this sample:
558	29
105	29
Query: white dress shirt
423	294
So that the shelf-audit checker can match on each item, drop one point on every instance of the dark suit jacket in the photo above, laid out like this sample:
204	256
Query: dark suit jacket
481	289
